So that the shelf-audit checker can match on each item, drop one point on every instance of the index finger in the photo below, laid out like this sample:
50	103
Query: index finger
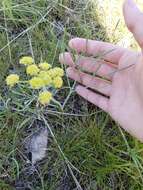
111	53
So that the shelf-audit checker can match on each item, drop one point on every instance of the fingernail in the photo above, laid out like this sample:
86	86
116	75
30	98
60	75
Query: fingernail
71	43
63	57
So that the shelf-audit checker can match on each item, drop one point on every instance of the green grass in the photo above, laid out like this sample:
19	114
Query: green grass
86	148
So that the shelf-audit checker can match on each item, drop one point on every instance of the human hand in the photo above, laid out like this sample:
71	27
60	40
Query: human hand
122	69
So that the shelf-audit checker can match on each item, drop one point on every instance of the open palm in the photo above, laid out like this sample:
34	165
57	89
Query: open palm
121	90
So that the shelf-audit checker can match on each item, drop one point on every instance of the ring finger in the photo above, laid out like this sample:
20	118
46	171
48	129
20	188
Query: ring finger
92	82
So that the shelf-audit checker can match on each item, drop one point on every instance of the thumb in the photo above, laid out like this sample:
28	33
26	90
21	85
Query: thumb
134	20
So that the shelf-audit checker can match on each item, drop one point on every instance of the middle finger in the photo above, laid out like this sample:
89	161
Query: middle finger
100	68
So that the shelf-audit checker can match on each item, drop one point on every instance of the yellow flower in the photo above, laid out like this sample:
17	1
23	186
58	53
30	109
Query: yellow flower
59	72
36	83
56	72
45	77
51	72
45	97
44	66
32	70
58	82
12	79
26	60
42	73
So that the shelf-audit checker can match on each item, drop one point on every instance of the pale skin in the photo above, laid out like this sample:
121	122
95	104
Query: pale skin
122	69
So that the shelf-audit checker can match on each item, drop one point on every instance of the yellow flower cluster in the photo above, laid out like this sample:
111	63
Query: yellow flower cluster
32	70
47	80
12	79
44	66
43	76
27	60
58	82
56	72
36	83
45	97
